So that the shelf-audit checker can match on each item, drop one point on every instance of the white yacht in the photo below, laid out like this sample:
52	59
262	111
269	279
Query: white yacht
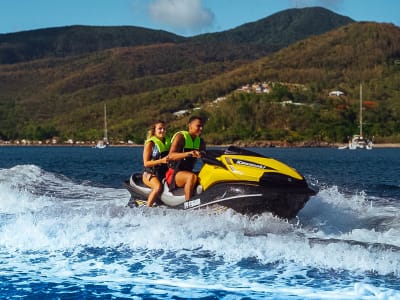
357	141
101	144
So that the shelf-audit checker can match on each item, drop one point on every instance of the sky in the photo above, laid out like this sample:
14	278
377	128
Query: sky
182	17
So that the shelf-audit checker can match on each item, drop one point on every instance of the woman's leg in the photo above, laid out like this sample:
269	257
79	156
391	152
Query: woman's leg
152	181
188	181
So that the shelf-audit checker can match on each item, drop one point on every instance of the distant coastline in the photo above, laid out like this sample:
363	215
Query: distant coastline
252	144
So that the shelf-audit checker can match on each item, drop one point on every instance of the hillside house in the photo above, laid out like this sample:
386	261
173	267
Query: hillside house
336	93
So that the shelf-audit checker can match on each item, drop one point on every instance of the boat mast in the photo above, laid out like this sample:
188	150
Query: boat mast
361	129
105	138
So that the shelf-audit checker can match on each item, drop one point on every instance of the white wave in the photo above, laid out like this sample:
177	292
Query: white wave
225	235
16	190
29	183
334	212
72	216
41	210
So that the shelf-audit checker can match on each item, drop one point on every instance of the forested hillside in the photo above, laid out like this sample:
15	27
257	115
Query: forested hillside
75	40
257	39
64	96
360	53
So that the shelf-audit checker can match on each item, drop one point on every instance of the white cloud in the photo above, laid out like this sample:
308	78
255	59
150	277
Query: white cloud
181	14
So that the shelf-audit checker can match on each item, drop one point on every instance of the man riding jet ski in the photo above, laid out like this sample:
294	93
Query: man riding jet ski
236	178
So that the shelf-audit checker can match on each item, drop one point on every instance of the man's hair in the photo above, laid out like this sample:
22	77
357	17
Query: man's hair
192	118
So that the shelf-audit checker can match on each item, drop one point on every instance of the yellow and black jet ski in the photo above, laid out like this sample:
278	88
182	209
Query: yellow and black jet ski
236	178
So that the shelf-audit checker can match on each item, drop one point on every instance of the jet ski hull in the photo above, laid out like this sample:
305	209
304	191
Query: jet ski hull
251	199
243	197
240	179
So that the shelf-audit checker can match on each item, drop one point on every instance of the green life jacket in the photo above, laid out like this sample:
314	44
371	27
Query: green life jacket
189	143
187	163
162	147
160	150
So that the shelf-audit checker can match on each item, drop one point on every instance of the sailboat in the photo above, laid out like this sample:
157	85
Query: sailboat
104	142
358	141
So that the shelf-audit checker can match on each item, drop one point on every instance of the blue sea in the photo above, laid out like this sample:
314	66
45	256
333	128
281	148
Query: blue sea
66	232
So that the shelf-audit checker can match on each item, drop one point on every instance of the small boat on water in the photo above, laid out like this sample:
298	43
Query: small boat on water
236	178
101	144
357	141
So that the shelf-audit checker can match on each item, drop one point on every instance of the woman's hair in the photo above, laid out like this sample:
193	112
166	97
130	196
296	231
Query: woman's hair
152	129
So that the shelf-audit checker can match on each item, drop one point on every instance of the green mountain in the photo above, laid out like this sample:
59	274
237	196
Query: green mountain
249	40
63	94
76	40
257	39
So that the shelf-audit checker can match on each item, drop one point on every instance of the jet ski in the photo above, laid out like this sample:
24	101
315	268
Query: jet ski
239	179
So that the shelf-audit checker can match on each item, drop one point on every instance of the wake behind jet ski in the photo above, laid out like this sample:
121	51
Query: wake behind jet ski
240	179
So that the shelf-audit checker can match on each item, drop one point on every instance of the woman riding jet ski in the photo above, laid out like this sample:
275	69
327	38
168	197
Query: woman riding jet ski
236	178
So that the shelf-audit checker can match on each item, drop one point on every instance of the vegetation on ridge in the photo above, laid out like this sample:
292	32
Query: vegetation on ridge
65	96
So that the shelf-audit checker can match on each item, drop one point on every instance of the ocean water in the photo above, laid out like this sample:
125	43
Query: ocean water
66	233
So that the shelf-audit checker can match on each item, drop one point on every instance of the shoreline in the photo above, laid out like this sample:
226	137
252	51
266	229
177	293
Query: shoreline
255	144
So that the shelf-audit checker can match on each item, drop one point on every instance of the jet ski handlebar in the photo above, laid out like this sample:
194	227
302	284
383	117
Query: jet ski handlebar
241	151
210	157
